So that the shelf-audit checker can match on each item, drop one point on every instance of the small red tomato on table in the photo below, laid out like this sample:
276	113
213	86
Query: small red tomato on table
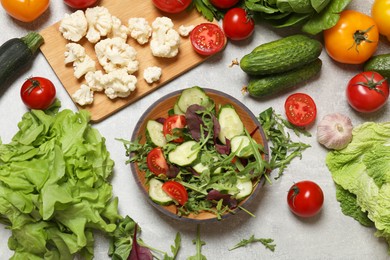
237	24
305	198
207	39
38	93
172	6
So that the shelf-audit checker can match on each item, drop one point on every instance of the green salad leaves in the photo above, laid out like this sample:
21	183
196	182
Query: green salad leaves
362	174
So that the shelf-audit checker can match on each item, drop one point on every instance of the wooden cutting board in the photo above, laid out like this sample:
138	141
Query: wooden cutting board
102	107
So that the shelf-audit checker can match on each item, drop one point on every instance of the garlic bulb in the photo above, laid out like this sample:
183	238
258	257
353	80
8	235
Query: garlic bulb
334	131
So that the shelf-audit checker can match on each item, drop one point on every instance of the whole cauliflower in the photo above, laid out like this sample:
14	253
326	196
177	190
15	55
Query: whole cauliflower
74	26
114	54
165	40
139	29
119	84
74	52
81	67
99	23
118	29
83	96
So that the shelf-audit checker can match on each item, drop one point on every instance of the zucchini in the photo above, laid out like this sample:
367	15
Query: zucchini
230	122
379	63
154	133
16	53
281	55
269	85
194	95
184	154
157	194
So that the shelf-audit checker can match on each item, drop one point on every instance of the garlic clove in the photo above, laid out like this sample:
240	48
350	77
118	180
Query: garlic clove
334	131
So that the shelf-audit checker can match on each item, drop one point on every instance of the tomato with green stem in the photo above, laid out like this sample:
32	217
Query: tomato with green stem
176	191
156	161
38	93
305	198
173	126
207	38
237	24
367	91
300	109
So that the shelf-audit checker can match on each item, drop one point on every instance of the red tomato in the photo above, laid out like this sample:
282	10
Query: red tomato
237	25
367	91
172	124
156	161
305	198
176	191
172	6
207	38
300	109
38	93
224	4
80	4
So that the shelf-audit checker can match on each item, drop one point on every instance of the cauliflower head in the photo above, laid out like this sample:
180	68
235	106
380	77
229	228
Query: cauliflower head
184	31
165	40
74	52
74	26
81	67
83	96
95	80
118	29
119	84
114	54
152	74
139	29
99	23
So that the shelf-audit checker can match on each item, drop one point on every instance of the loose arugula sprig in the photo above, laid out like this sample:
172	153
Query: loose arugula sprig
267	242
199	243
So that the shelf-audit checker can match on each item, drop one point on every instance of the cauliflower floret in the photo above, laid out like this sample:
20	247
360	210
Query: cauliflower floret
99	23
114	53
184	31
81	67
74	26
83	96
118	29
165	40
140	29
74	52
119	83
152	74
94	80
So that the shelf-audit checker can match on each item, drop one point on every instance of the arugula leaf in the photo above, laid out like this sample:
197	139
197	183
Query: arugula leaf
267	242
199	243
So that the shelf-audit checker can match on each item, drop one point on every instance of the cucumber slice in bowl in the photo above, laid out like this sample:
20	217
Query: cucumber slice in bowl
231	124
240	145
194	95
184	154
154	133
157	194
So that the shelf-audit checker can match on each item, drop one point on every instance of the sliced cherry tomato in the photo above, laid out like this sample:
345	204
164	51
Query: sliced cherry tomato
305	198
367	91
300	109
353	40
237	24
207	38
172	126
156	161
224	4
172	6
38	93
80	4
176	191
380	12
25	10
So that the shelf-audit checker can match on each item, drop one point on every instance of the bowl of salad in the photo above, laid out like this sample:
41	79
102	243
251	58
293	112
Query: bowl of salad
198	154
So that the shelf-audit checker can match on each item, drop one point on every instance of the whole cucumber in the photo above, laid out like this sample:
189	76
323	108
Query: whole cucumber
379	63
281	55
269	85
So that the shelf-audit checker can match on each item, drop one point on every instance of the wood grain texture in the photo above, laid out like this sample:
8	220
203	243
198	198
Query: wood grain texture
102	107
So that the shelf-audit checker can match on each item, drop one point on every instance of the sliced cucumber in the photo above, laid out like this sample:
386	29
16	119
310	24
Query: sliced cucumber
177	110
184	154
157	194
231	124
194	95
154	132
240	145
200	167
245	188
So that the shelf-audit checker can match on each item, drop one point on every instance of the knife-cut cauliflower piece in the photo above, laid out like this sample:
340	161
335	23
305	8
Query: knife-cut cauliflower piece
74	52
99	23
119	83
165	40
184	31
74	26
81	67
94	80
118	29
83	96
114	54
139	29
152	74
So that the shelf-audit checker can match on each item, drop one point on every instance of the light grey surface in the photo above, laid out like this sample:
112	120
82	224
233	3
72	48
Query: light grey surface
330	235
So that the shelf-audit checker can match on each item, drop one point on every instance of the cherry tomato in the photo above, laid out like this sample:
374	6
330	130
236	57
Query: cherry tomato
156	161
38	93
172	126
237	25
380	12
80	4
353	40
224	4
300	109
305	198
367	91
176	191
172	6
25	10
207	38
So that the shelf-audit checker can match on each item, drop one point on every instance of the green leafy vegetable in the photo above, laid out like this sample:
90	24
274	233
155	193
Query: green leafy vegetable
199	243
267	242
208	10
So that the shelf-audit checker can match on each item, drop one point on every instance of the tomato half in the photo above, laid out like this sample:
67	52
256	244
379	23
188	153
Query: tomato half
172	6
353	40
305	198
207	38
25	10
300	109
380	12
173	125
237	24
38	93
367	91
176	191
156	161
224	4
80	4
